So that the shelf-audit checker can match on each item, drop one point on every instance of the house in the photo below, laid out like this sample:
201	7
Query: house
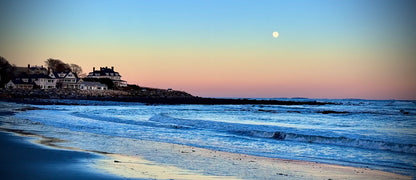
85	85
65	80
29	70
109	73
25	81
37	69
39	77
19	84
43	81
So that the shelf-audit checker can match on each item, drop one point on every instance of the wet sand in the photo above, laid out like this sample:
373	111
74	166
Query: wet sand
230	166
20	159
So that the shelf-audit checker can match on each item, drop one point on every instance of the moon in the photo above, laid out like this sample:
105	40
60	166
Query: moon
275	34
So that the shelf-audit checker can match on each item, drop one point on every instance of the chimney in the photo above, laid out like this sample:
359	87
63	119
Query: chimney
93	69
112	68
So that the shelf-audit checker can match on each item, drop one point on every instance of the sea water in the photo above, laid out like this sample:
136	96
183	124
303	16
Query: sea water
361	133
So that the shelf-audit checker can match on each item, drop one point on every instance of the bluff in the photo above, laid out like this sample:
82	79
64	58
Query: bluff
143	95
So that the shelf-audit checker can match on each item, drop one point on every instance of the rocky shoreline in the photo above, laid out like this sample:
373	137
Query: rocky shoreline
148	96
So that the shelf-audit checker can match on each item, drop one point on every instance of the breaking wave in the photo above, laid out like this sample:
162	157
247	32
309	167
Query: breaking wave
340	141
278	133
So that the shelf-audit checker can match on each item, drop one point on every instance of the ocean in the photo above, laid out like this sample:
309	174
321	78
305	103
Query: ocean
376	134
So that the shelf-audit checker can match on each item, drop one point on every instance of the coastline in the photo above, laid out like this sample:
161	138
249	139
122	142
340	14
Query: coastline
59	162
156	96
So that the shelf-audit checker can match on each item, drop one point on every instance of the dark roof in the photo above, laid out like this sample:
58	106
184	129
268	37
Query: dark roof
66	73
19	81
104	70
40	76
33	68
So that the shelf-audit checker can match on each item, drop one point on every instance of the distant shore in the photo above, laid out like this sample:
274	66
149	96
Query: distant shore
151	96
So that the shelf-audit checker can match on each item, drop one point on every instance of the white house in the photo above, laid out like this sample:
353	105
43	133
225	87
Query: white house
10	85
85	85
65	80
109	73
43	81
28	82
19	84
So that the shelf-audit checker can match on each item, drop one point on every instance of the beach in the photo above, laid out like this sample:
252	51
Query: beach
27	159
41	150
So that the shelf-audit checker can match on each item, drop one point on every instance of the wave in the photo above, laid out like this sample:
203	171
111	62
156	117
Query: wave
340	141
339	110
282	134
127	121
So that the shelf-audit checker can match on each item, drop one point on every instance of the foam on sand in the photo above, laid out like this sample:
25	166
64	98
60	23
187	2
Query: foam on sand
240	165
137	167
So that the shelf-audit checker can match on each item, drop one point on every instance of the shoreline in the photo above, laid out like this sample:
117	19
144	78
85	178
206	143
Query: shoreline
246	166
235	166
48	97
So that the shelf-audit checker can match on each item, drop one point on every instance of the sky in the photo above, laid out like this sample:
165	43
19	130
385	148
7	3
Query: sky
214	48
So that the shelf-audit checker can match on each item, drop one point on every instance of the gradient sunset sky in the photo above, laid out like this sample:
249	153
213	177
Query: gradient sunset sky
225	48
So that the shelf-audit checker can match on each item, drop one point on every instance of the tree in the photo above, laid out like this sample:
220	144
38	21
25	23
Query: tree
76	69
106	81
57	65
6	71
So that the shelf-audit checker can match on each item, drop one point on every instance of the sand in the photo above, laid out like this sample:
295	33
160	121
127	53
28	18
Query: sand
20	159
237	166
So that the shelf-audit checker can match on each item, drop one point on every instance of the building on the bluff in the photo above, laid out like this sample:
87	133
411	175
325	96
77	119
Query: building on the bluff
40	81
38	77
85	85
65	79
109	73
37	69
41	78
43	81
29	70
20	83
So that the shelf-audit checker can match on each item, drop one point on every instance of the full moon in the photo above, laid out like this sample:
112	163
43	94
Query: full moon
275	34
